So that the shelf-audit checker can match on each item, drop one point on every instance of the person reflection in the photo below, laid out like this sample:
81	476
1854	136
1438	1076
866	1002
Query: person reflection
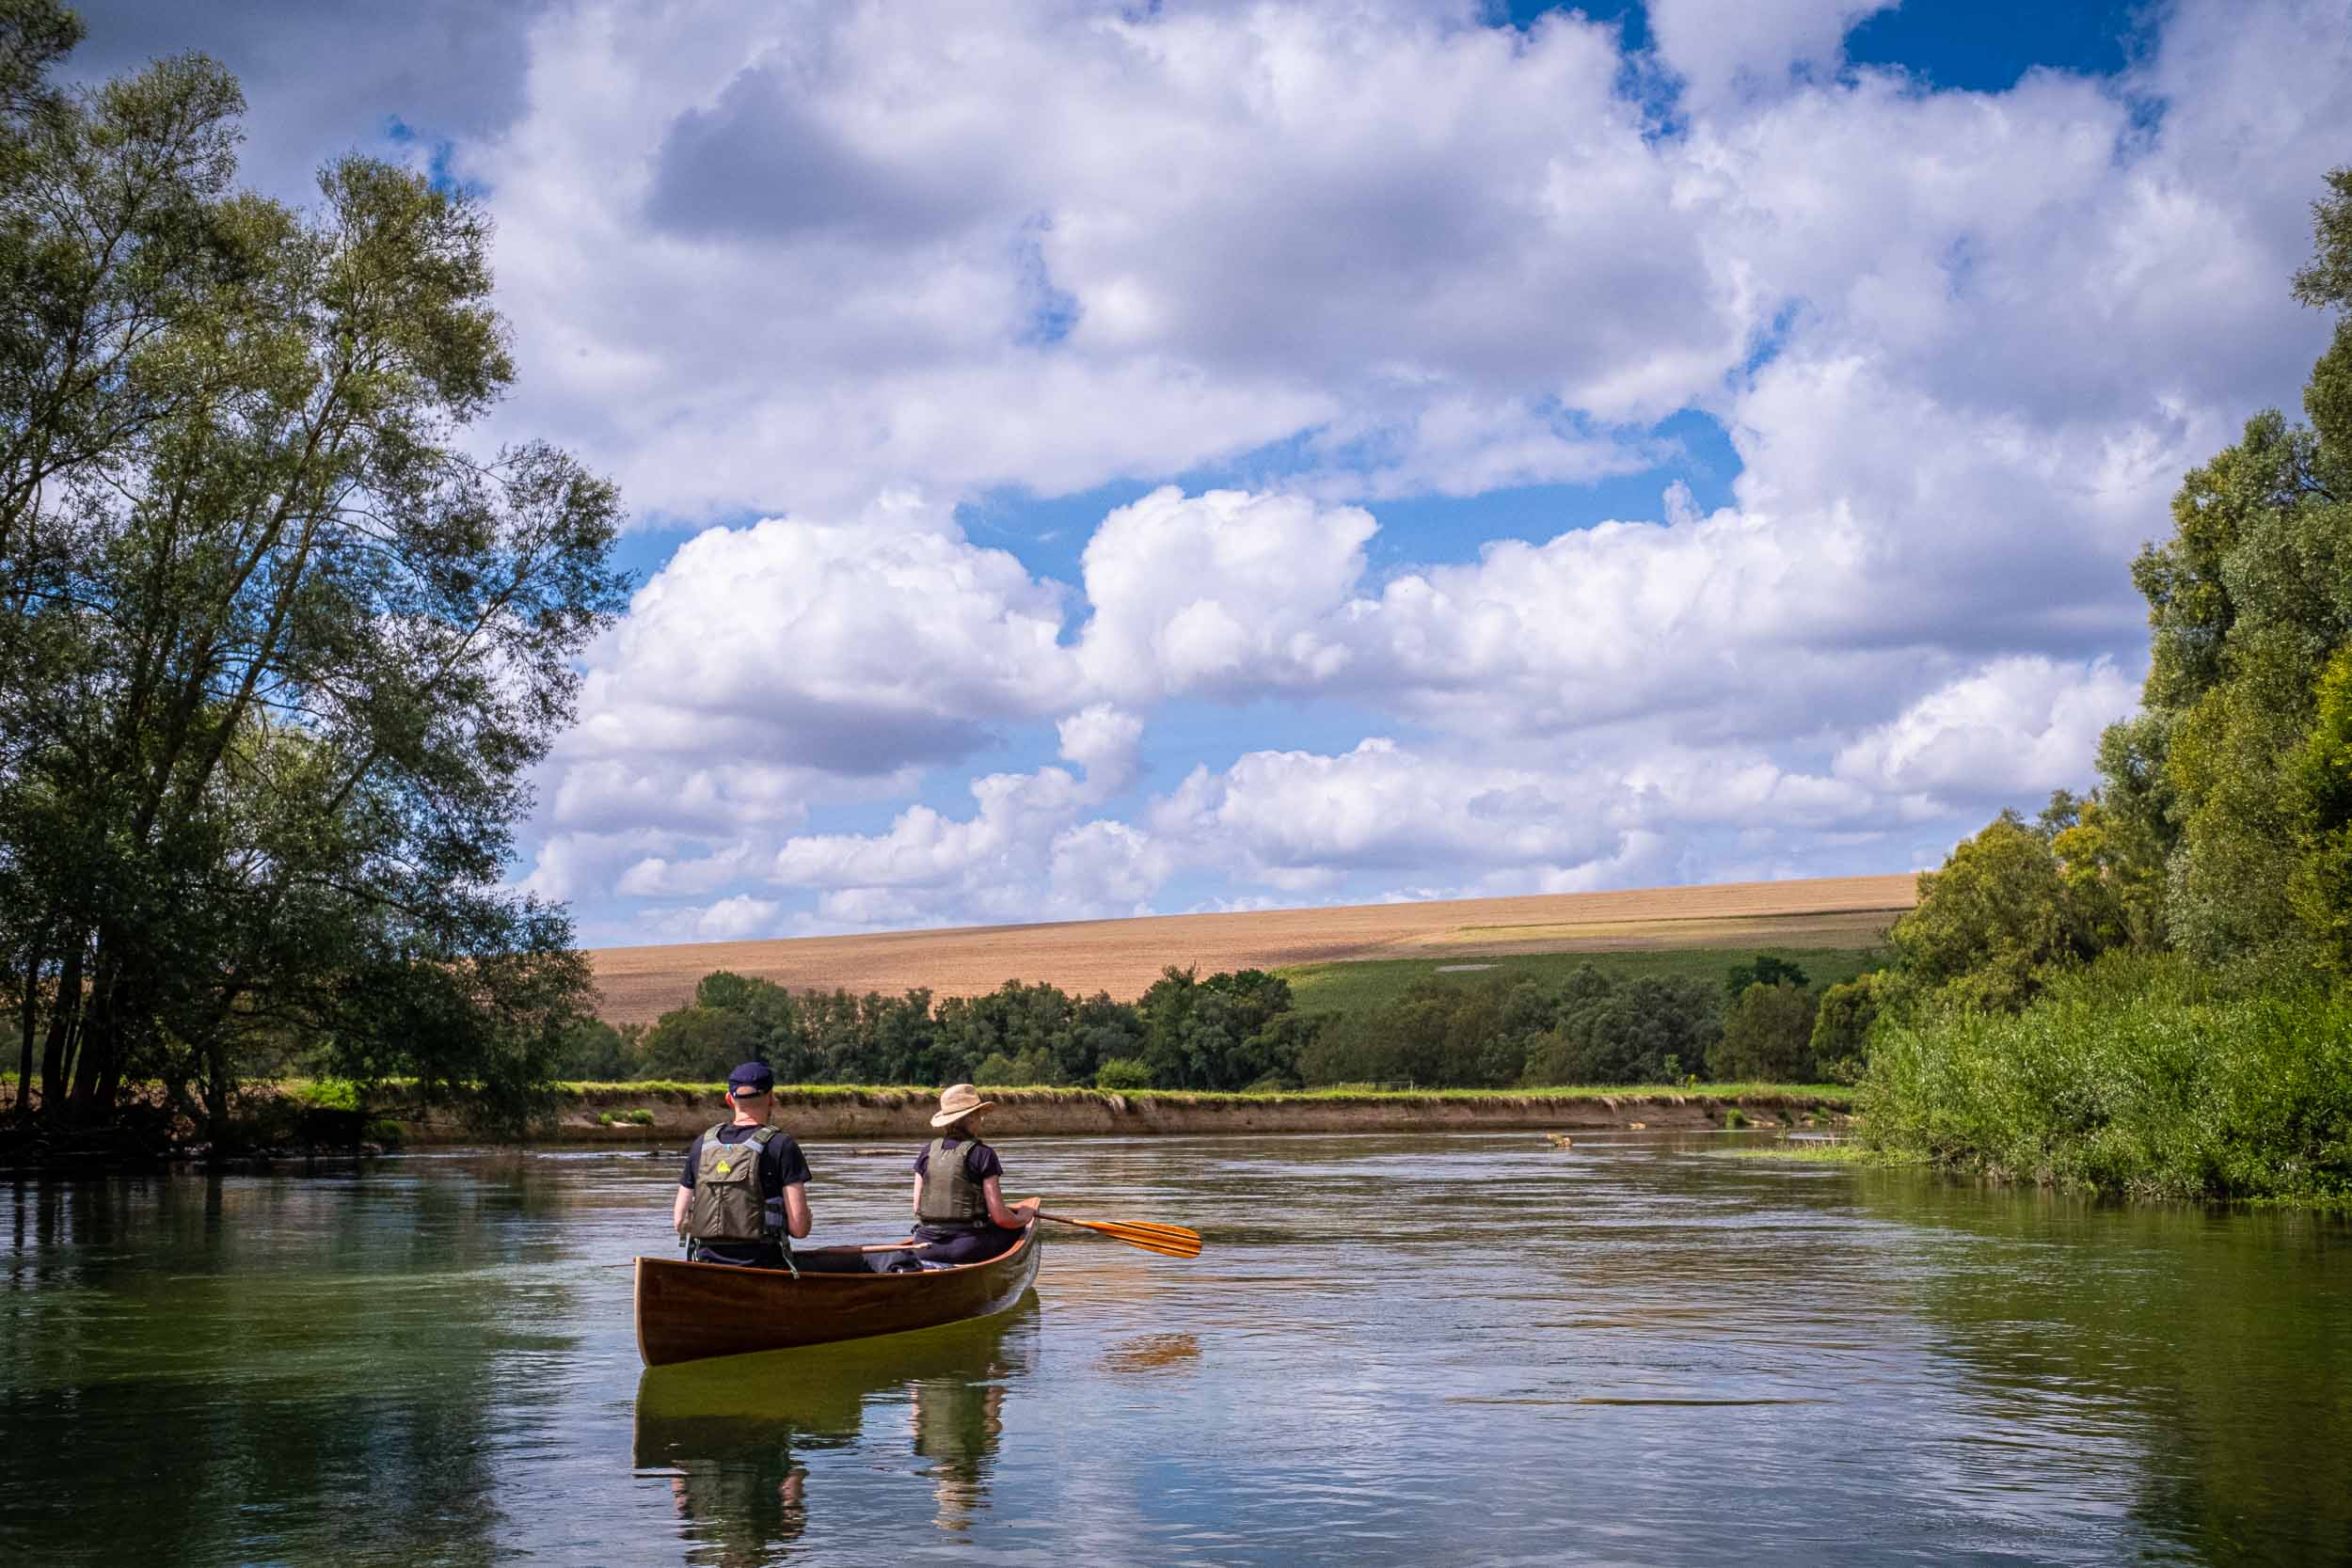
738	1436
957	1423
747	1507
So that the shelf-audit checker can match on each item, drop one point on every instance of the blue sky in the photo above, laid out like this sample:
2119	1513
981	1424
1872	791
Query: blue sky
1089	459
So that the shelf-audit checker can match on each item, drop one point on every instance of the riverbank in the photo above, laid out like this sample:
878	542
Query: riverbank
670	1112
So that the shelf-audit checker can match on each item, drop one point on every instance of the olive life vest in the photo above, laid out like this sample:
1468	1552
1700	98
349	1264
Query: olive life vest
951	1199
728	1205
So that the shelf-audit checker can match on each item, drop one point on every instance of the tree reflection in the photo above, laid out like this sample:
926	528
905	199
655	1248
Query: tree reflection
2216	1329
216	1369
732	1433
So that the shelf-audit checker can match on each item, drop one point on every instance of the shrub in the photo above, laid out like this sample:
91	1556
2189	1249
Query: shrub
1123	1072
2137	1075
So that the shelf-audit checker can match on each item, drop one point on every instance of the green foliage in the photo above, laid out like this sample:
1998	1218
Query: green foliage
2249	606
593	1050
2135	1075
2224	828
1123	1072
1842	1024
1222	1033
1507	1031
1029	1069
280	643
1362	985
1603	1030
1994	922
1768	1035
700	1044
1765	969
2319	778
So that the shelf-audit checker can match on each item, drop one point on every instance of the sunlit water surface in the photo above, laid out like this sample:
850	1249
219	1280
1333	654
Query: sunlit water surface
1457	1349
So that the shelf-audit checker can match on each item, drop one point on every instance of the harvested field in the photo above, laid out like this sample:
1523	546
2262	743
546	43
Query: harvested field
1124	956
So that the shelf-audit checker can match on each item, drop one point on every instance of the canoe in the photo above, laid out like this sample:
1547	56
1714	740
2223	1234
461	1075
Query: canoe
689	1311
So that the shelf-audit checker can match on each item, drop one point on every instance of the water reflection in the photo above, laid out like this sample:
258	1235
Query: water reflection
1646	1354
2192	1335
730	1434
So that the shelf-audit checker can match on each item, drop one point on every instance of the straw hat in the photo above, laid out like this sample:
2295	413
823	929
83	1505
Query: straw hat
957	1102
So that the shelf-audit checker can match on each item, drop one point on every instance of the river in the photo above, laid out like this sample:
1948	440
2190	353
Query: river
1396	1349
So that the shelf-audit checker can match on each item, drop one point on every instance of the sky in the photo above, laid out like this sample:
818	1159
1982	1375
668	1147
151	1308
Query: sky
1091	459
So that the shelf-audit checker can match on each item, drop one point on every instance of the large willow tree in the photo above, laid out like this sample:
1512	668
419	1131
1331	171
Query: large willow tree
278	643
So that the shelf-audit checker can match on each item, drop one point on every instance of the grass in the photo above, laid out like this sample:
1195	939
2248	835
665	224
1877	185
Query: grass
1810	1153
1361	985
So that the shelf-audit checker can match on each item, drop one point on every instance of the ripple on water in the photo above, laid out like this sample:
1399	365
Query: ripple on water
1394	1350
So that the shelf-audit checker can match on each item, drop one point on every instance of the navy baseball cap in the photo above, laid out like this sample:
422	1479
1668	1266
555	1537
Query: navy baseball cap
752	1078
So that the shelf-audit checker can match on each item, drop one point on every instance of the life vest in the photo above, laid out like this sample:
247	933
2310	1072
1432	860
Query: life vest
951	1199
727	1205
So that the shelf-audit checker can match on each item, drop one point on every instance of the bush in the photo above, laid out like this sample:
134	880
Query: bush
1123	1072
1028	1068
2137	1075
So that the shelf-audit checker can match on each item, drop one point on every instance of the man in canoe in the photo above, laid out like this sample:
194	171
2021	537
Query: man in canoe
959	1210
744	1194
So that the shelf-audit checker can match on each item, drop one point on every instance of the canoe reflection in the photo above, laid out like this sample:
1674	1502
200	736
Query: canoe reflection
730	1432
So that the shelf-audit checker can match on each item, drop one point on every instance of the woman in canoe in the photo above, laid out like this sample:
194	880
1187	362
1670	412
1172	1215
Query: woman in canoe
959	1210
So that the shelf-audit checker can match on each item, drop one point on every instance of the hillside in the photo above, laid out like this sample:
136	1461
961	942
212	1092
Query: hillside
1122	956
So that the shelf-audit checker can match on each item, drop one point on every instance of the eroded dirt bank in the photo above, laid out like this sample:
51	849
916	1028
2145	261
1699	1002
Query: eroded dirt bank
670	1115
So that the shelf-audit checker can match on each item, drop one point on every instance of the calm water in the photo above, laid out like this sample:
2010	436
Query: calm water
1465	1349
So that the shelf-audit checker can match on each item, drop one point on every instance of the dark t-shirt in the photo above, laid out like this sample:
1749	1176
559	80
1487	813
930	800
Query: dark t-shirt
781	1165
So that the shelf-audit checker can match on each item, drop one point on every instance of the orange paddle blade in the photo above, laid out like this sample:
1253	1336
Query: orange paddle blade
1169	1240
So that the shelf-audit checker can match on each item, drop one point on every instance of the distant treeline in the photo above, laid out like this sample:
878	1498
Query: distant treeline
1243	1031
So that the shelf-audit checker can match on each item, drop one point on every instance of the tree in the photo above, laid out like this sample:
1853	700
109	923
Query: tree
2320	782
1992	922
1768	1038
2249	605
595	1052
1227	1032
1648	1030
1765	970
700	1045
276	652
1842	1023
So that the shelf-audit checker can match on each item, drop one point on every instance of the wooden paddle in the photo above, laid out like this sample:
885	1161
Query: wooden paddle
1169	1240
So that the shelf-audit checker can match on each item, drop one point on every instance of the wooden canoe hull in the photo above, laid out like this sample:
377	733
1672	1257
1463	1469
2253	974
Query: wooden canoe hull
690	1311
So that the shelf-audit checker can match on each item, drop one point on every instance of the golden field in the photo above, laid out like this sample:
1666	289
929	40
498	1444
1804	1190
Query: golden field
1124	956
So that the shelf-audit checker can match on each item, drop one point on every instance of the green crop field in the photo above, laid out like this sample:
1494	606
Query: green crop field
1361	985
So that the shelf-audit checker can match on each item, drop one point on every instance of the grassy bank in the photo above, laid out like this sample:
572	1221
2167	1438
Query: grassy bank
2135	1077
1359	985
671	1112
